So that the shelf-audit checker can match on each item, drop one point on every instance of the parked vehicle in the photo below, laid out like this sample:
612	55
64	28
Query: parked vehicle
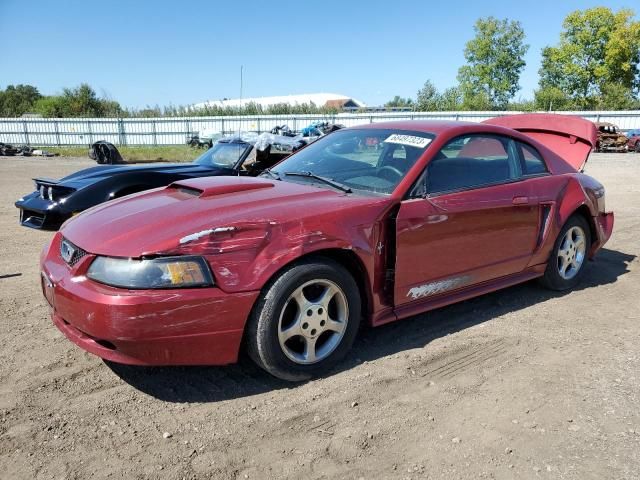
633	144
55	201
610	139
204	138
347	230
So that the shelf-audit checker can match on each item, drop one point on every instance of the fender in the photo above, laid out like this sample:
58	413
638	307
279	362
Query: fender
570	198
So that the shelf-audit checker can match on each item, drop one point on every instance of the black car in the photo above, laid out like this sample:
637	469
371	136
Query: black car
54	201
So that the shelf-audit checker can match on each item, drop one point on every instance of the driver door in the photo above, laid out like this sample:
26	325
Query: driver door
477	222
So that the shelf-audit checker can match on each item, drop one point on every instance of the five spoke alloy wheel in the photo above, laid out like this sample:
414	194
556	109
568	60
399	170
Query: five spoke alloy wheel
571	253
313	321
567	260
305	319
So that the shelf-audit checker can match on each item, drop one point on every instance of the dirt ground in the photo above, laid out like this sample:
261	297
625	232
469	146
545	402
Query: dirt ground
522	383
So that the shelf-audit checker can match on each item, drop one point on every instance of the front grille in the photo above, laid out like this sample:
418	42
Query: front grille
71	253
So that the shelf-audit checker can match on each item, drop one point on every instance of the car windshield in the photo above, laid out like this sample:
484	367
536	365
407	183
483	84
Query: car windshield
368	161
223	154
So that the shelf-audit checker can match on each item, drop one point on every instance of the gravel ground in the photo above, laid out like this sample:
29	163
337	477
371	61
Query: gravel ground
522	383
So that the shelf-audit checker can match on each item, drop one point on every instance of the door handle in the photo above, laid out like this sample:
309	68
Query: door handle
520	200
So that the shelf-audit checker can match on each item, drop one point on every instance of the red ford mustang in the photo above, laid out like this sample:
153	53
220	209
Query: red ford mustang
368	224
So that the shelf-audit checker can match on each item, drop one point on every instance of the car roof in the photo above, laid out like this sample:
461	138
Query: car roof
425	126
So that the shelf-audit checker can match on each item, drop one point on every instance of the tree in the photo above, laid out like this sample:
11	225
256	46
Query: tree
18	100
81	101
552	98
428	98
399	102
451	99
596	60
495	59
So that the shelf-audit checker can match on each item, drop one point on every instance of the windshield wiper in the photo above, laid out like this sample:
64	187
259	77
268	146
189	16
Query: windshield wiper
272	174
326	180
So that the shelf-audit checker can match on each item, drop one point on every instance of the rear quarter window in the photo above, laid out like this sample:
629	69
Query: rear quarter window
532	163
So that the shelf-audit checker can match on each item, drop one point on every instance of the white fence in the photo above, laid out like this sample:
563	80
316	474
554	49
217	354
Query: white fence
175	130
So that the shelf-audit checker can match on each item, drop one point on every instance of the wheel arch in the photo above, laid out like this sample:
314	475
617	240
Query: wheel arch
349	260
584	211
345	257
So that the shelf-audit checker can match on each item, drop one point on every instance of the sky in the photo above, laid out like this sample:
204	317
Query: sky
168	52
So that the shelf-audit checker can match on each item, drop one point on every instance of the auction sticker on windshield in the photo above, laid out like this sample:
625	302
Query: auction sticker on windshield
410	140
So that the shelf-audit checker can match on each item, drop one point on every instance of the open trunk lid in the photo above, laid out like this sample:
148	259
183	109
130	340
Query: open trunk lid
572	138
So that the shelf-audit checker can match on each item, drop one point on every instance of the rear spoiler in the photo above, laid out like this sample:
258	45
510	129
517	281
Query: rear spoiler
572	138
46	181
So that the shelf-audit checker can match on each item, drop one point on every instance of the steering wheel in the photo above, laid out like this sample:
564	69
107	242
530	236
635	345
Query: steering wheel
393	175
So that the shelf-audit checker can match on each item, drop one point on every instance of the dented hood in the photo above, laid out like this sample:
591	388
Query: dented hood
572	138
162	220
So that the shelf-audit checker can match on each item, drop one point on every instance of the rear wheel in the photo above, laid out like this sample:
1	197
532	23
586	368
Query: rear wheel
305	321
637	149
567	260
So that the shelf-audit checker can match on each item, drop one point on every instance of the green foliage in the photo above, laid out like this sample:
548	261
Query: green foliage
81	101
495	59
399	102
431	100
18	100
428	97
551	98
50	107
595	63
451	99
478	100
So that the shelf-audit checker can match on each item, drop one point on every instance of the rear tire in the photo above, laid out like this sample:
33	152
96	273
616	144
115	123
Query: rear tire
567	260
305	320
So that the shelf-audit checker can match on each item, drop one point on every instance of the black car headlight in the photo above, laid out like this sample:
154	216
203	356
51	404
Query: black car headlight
162	272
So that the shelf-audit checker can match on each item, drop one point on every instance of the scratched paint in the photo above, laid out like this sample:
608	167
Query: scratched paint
433	288
204	233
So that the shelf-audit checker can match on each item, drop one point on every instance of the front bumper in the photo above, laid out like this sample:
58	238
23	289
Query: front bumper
202	326
36	212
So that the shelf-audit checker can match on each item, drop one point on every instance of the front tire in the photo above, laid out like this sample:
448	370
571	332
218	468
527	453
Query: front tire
566	264
305	320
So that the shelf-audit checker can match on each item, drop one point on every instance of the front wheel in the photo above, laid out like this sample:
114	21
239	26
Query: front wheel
305	320
566	262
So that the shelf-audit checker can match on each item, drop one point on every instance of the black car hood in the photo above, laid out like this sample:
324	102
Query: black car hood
93	174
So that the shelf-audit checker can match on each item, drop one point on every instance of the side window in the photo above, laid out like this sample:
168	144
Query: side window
532	163
472	161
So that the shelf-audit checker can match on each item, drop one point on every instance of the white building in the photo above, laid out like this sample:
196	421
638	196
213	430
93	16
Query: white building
318	99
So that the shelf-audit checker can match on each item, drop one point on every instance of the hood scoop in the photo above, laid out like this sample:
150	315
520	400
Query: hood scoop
214	186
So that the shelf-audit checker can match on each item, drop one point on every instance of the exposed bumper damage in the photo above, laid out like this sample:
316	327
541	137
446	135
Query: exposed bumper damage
198	326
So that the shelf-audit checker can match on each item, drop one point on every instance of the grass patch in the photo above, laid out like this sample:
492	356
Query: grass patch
169	153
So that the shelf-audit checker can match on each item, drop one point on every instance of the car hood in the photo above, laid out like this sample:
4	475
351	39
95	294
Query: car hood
192	211
94	174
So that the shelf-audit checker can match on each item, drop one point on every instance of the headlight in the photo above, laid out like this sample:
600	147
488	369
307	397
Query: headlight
162	272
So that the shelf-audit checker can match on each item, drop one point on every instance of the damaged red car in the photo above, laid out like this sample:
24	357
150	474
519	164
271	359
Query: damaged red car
368	224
